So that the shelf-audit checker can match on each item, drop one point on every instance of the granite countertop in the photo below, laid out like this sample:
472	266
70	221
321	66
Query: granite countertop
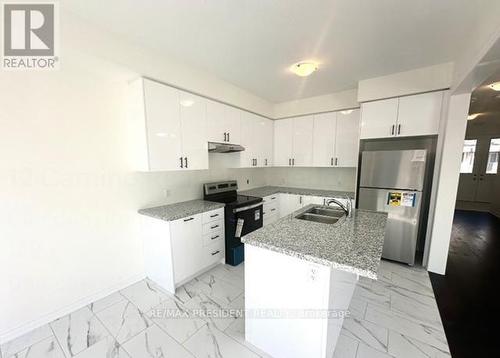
180	210
352	244
270	190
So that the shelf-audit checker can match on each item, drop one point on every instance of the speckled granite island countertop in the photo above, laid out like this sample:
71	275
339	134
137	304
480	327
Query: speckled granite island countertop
180	210
270	190
352	244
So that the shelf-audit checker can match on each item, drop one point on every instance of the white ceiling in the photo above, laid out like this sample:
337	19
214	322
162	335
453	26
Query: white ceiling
251	43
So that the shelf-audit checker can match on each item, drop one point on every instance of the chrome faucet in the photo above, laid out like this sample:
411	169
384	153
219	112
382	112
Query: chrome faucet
347	208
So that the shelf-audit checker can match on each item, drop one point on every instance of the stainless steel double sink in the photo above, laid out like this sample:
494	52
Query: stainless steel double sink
322	214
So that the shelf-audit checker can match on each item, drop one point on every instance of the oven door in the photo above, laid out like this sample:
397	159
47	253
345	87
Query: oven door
247	219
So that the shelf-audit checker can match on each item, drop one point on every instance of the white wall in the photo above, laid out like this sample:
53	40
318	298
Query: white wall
448	174
316	178
326	103
404	83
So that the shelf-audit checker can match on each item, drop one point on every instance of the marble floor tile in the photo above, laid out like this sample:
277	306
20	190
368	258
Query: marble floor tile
357	308
26	340
107	301
145	295
407	326
78	331
376	293
427	313
124	320
422	286
367	332
403	346
365	351
106	348
176	319
346	347
218	290
211	312
46	348
237	331
209	342
153	342
222	273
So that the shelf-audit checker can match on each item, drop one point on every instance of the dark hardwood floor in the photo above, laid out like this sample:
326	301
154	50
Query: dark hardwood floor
467	295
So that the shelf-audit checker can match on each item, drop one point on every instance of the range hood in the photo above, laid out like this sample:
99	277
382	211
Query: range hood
224	148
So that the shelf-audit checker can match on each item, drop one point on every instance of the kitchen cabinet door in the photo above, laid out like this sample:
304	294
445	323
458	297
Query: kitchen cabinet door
378	118
419	114
232	120
248	140
347	139
163	126
324	139
264	137
187	246
317	200
289	203
302	141
216	122
283	142
193	111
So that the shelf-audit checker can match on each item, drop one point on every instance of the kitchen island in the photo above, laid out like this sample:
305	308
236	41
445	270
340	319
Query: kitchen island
300	276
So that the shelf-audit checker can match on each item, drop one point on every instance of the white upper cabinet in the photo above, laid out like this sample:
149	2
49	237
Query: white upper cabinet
378	118
407	116
347	139
248	158
324	139
193	114
163	126
302	141
175	127
419	114
266	137
283	142
224	123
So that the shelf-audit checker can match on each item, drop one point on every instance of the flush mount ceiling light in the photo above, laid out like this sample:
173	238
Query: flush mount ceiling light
187	102
347	111
495	86
304	69
470	117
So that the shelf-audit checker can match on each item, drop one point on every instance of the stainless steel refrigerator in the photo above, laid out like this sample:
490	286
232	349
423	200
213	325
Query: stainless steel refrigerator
392	181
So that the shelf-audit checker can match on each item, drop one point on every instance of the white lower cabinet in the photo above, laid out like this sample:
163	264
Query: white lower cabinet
290	203
178	250
271	209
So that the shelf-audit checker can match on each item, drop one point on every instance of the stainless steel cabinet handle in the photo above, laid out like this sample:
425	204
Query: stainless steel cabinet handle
399	129
228	139
214	237
214	215
273	209
293	161
186	160
331	161
189	219
300	199
336	161
214	227
273	197
215	253
289	161
266	162
225	137
182	165
392	130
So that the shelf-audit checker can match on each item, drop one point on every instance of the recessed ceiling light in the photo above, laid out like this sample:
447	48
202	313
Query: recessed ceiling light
495	86
187	102
304	69
347	111
470	117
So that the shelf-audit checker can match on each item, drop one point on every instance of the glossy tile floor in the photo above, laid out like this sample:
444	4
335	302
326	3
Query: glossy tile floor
466	295
395	316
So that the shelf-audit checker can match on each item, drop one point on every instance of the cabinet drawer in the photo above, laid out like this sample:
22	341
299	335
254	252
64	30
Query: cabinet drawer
213	227
213	237
270	209
214	252
270	198
213	215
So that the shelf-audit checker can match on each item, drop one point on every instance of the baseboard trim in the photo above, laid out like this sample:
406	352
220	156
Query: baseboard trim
49	317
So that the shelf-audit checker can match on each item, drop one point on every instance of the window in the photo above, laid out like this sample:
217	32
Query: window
492	166
468	156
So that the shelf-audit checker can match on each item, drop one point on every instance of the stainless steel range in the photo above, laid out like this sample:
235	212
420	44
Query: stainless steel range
243	214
